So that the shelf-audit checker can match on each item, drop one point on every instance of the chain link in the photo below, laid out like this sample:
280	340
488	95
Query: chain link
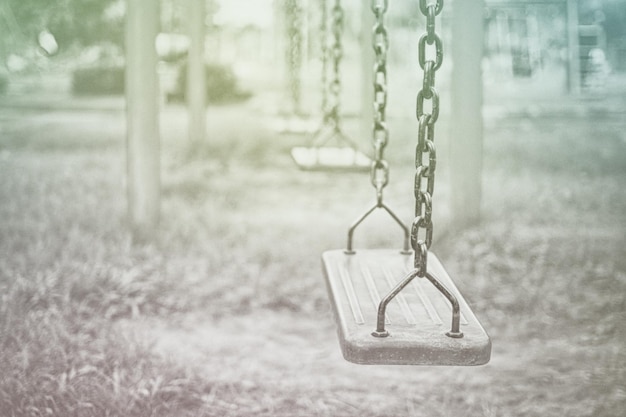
421	233
293	14
324	56
380	135
336	54
425	153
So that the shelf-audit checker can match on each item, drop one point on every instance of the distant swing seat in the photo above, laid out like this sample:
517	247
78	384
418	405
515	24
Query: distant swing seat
329	158
417	319
319	155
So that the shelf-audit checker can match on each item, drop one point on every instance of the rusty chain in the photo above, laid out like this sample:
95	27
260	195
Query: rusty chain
380	42
324	57
293	15
425	157
336	53
379	171
430	57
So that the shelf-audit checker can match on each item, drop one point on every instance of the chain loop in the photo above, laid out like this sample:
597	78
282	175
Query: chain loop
293	13
336	52
425	151
430	24
380	135
379	6
438	50
429	79
425	3
434	98
324	57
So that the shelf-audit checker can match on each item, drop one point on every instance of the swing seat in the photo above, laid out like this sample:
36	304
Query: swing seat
294	125
330	159
417	318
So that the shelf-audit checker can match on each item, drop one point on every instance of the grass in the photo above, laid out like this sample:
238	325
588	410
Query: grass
225	313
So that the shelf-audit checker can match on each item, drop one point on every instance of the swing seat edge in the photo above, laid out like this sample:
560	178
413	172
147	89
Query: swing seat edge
417	322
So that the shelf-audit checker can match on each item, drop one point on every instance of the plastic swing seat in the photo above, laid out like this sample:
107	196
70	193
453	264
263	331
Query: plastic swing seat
330	159
343	155
394	307
417	319
417	310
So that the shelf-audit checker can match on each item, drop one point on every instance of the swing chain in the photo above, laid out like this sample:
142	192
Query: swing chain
425	153
293	14
336	52
324	57
380	43
379	171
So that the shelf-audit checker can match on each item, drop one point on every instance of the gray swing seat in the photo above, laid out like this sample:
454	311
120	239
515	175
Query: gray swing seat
417	319
330	150
329	158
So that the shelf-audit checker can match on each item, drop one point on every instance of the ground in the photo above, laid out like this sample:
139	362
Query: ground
226	313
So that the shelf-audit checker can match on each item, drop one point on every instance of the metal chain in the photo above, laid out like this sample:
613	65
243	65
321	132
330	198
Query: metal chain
324	56
380	135
336	51
425	156
425	153
293	15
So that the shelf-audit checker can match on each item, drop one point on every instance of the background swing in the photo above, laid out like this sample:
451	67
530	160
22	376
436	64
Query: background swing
410	324
344	154
295	122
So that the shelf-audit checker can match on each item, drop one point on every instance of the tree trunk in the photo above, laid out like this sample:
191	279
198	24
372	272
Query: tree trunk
196	74
143	151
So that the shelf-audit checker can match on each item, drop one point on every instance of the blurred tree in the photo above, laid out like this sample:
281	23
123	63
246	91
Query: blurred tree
83	22
175	20
615	19
80	22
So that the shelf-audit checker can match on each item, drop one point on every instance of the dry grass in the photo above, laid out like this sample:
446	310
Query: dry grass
226	313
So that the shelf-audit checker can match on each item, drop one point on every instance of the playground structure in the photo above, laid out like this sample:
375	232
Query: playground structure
470	195
342	270
426	349
535	47
230	297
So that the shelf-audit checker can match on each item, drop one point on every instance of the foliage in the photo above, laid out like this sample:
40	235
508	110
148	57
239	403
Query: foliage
174	15
221	84
98	80
226	313
86	22
82	22
4	83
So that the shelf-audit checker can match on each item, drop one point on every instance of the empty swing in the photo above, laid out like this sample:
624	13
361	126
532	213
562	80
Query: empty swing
319	154
400	307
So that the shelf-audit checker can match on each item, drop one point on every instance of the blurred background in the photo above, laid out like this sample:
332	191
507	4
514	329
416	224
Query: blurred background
160	249
77	47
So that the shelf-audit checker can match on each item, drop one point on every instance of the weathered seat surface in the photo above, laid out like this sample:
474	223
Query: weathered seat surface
417	319
330	158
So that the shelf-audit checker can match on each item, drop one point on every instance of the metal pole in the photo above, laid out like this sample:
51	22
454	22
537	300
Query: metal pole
466	139
196	75
143	148
573	73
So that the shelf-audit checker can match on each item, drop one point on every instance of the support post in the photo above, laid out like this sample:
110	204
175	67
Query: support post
573	68
142	135
196	74
466	139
